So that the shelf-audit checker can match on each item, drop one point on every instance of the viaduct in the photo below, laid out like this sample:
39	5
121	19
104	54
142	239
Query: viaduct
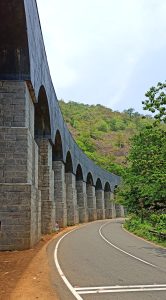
44	177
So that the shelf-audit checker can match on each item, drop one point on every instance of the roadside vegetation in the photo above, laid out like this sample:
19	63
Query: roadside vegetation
153	228
143	191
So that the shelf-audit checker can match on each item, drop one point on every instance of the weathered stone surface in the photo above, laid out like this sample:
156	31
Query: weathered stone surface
82	201
91	202
119	210
60	193
71	199
110	211
19	218
100	207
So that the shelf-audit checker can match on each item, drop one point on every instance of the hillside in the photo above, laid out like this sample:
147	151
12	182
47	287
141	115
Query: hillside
104	135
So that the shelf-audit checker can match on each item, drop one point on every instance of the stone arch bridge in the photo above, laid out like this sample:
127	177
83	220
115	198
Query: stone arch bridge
44	177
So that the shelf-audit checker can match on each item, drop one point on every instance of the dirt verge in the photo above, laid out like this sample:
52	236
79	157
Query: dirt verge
26	274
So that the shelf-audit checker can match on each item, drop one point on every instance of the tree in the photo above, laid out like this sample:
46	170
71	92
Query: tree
156	102
144	182
129	112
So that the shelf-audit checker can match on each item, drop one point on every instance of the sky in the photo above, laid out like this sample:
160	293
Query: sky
107	52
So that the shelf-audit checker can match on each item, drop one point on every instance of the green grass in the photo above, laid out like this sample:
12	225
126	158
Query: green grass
133	224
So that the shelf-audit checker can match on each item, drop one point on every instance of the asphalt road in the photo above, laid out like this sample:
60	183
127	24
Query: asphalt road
102	261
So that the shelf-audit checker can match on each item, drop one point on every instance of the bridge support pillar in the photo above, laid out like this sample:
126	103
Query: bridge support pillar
100	204
60	193
20	202
82	201
119	210
91	202
71	199
46	186
110	211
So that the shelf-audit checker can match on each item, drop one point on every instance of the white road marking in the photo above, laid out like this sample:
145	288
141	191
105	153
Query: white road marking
121	289
123	251
120	286
66	281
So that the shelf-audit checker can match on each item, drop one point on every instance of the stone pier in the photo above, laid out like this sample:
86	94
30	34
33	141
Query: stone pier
60	193
71	199
82	201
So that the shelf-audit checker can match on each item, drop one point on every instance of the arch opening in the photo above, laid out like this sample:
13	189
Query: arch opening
98	184
89	180
69	163
42	116
57	153
79	174
107	187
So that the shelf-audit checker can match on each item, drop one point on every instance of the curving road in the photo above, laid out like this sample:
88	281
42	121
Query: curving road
100	260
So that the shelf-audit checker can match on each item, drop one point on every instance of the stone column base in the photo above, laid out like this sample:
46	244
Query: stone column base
83	216
119	210
110	213
92	214
100	214
20	216
61	214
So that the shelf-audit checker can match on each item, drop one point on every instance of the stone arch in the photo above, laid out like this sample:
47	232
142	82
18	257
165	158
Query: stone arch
91	198
99	192
69	163
109	202
98	184
81	195
42	130
107	187
89	179
57	148
71	193
42	116
59	181
79	174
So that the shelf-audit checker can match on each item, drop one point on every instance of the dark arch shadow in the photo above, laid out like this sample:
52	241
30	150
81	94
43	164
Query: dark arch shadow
79	174
57	153
98	184
42	116
69	163
89	179
107	187
14	54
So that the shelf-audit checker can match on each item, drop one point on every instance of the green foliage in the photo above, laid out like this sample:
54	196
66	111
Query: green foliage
103	134
156	102
145	229
144	180
144	184
158	222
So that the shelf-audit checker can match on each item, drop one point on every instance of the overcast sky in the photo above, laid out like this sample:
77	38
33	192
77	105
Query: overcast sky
105	51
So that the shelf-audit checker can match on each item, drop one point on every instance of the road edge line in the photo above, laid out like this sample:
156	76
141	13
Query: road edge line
123	251
66	281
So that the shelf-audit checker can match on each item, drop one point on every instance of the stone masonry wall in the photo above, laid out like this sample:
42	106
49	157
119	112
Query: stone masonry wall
82	201
100	204
60	193
46	186
91	202
19	195
71	199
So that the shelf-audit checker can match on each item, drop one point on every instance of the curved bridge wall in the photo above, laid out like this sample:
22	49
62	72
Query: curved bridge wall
45	178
